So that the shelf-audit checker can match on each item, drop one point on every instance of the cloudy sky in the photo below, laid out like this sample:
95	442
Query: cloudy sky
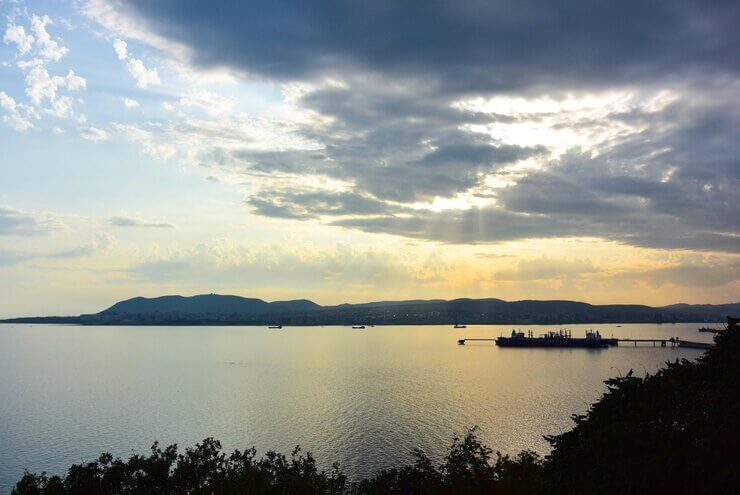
354	150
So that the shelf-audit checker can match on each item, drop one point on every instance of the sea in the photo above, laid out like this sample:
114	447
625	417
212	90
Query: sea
362	397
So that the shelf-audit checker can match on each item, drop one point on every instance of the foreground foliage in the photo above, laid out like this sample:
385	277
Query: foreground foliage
677	431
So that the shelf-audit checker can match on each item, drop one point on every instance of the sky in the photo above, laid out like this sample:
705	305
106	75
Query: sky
350	151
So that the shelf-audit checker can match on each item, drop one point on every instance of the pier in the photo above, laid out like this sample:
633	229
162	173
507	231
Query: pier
608	342
673	341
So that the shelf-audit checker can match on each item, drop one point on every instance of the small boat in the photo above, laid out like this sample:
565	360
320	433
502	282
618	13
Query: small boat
358	327
277	327
460	326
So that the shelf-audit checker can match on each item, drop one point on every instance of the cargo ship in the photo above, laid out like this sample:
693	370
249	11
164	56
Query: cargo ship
563	338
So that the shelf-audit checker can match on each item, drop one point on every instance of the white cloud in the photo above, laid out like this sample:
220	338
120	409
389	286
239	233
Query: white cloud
41	45
18	222
100	245
144	77
129	103
575	120
35	51
228	263
17	34
57	131
147	141
41	86
127	221
94	134
211	103
120	47
46	47
168	106
15	118
61	107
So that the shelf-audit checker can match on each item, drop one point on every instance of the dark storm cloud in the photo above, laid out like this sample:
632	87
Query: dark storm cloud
607	196
288	162
622	194
671	185
397	145
391	130
478	154
472	45
491	224
452	166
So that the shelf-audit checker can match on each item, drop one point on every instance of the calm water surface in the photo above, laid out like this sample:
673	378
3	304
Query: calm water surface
364	398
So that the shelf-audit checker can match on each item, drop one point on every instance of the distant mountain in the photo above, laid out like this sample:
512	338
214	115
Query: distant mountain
214	309
207	304
729	308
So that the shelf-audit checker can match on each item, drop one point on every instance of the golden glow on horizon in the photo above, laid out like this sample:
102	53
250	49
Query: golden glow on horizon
347	266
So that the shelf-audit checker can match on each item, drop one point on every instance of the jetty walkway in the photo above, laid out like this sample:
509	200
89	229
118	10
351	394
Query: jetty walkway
612	342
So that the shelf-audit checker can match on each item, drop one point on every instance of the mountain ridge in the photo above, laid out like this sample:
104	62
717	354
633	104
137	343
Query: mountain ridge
215	309
206	303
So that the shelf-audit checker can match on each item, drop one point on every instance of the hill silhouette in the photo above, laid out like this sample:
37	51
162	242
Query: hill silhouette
208	304
214	309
